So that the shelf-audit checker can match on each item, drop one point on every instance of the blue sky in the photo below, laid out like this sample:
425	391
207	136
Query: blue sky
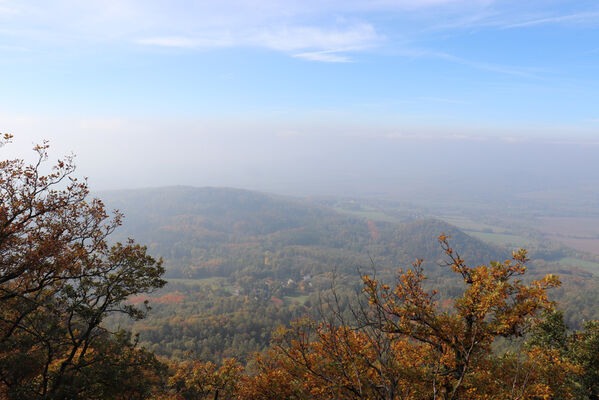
207	73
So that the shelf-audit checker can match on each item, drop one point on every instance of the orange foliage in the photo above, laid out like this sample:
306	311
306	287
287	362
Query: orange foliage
374	230
403	346
276	301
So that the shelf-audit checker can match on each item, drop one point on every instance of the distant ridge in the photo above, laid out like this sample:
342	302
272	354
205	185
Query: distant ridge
180	221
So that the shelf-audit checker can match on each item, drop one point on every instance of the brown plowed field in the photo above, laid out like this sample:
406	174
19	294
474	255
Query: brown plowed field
578	233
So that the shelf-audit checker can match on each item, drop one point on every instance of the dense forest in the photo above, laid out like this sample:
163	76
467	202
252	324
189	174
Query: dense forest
241	263
255	296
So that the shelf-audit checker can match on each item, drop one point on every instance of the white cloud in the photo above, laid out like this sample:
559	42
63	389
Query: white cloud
571	18
306	42
310	37
328	31
323	56
308	29
187	42
169	41
6	8
498	68
384	5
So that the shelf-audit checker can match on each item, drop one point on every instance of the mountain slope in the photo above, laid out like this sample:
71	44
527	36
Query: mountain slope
241	263
193	227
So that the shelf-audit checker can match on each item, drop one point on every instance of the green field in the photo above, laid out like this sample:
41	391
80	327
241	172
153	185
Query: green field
589	266
468	224
488	233
301	299
502	239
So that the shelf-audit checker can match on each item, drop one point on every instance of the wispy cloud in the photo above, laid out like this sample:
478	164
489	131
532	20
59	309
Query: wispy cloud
8	9
498	17
295	38
386	5
305	42
187	42
485	66
570	18
316	30
308	29
324	56
169	41
502	69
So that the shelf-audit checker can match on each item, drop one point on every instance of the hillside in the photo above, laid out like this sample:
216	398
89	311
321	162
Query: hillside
241	263
196	229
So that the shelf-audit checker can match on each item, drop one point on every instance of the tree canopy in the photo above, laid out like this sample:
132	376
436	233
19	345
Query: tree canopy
59	279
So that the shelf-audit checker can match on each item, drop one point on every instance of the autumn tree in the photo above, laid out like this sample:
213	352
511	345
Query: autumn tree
196	380
580	348
59	279
399	344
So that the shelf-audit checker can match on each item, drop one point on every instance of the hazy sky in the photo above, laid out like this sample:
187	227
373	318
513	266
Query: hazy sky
209	92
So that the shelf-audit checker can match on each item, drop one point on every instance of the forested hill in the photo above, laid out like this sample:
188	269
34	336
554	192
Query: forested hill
241	263
204	232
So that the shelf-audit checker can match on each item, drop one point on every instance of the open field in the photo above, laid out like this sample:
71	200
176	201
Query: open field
503	239
579	227
579	233
588	245
368	213
589	266
469	224
301	299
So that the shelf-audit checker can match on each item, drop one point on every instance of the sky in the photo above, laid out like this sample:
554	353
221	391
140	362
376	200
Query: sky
251	92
